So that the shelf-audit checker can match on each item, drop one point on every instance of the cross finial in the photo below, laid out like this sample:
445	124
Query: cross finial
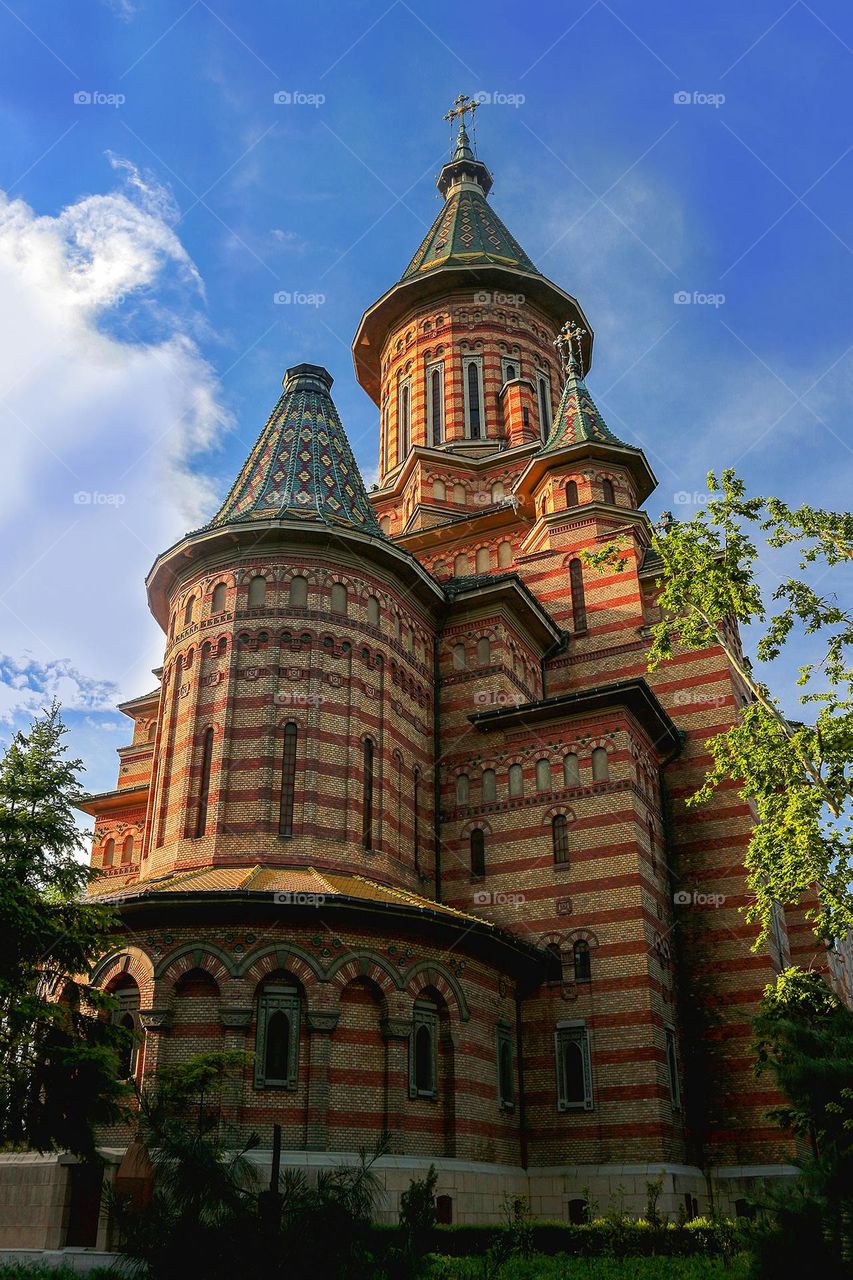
568	343
461	105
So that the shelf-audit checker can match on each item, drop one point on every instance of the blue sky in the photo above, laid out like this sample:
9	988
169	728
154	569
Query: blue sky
157	197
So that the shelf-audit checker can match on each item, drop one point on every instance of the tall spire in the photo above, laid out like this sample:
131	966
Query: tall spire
578	418
301	466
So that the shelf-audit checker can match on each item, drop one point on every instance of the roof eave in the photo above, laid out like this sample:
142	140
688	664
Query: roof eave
632	457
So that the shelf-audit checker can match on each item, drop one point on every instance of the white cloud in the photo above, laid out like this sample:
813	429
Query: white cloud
104	397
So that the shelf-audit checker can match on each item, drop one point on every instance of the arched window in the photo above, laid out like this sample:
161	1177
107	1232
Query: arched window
436	406
544	383
257	592
127	851
189	611
490	791
127	1052
504	555
478	854
462	789
572	494
607	492
506	1082
578	598
217	604
472	399
423	1046
459	662
339	598
204	782
574	1078
277	1047
298	593
127	1017
600	765
403	414
439	490
484	651
516	780
484	560
385	525
571	770
460	497
288	780
372	611
497	491
543	775
560	838
461	566
109	853
580	955
367	795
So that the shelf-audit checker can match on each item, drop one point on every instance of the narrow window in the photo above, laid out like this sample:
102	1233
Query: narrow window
403	419
484	651
288	781
607	492
277	1044
509	370
544	404
462	789
498	491
672	1067
367	796
459	662
386	433
218	601
436	406
472	400
372	611
439	490
484	560
560	838
574	1076
506	1080
109	853
189	611
580	955
416	817
543	775
600	765
422	1051
504	555
127	851
257	592
339	598
578	598
571	770
572	494
516	780
204	782
127	1052
489	786
298	593
478	854
461	566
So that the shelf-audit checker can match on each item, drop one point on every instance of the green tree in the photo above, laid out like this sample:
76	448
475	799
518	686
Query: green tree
58	1050
798	775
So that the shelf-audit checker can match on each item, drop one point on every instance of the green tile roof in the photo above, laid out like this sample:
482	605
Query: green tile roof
468	233
578	418
301	466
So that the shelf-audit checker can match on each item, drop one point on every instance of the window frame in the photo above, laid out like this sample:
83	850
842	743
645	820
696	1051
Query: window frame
434	439
575	1033
404	419
477	362
545	402
424	1014
671	1045
270	1000
504	1041
560	843
287	788
515	363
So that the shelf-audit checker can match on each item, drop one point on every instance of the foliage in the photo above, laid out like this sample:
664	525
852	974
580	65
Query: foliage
58	1053
559	1267
798	777
617	1237
417	1219
804	1038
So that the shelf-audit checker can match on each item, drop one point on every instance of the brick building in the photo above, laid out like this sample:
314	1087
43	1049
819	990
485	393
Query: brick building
405	815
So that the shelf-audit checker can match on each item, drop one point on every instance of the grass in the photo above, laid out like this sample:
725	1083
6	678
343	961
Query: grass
559	1267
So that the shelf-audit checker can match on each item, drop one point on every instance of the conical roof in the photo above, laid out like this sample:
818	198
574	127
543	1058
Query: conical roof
578	418
301	466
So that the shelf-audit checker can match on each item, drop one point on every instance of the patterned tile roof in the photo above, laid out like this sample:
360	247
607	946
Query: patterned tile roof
578	419
301	466
468	233
266	880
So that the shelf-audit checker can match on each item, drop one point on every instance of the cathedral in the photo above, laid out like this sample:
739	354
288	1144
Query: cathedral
404	817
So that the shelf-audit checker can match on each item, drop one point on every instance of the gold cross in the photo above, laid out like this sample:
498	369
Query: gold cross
461	105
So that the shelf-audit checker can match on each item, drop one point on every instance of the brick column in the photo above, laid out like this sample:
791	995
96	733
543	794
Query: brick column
397	1032
321	1023
236	1021
154	1022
